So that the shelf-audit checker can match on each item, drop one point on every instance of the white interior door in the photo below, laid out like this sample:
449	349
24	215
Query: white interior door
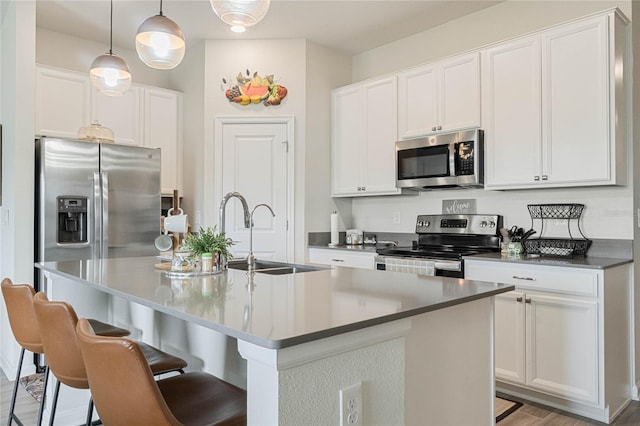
255	164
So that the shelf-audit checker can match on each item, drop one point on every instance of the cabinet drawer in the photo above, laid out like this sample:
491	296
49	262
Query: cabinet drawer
342	258
546	278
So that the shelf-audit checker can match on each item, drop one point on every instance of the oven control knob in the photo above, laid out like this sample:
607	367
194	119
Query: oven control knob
483	224
420	223
492	224
426	223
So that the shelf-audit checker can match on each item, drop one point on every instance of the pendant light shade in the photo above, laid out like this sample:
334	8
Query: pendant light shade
160	42
240	13
109	73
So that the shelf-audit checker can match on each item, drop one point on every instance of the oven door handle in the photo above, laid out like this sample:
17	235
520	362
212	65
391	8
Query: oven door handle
448	266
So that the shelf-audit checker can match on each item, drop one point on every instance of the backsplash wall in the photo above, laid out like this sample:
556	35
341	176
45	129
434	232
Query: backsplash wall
608	210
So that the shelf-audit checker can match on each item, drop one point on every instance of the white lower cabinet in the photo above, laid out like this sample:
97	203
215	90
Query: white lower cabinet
562	337
336	257
549	343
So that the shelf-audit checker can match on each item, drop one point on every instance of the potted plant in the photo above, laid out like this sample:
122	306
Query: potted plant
208	240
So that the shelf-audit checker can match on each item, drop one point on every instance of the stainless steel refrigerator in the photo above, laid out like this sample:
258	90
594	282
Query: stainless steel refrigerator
95	200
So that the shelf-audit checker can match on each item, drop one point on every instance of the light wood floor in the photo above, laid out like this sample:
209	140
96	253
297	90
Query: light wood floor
528	414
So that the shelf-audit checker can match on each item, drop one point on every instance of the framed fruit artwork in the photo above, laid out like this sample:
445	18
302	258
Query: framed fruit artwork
252	88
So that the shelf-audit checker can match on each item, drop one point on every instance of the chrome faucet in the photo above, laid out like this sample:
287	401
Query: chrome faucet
223	204
251	259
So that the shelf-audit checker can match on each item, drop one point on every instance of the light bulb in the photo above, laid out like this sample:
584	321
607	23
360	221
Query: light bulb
160	43
110	77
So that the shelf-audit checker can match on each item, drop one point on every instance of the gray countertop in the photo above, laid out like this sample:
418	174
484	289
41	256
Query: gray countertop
577	262
276	311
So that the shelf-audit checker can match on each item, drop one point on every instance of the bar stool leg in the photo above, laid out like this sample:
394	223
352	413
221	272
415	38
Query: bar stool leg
89	412
55	403
12	416
44	392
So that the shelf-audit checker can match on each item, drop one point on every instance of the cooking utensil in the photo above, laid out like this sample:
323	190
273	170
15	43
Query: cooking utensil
506	235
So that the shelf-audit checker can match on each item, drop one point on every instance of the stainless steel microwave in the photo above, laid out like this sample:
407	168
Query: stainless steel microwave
441	161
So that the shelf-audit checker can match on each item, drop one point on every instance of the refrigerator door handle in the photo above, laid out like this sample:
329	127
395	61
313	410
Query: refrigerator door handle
104	247
96	217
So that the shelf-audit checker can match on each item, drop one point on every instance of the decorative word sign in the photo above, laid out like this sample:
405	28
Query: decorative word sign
458	206
254	89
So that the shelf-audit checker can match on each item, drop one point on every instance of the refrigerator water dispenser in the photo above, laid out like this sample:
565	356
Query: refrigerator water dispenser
72	220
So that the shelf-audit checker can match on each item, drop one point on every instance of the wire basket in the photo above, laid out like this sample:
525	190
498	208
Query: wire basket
555	211
557	247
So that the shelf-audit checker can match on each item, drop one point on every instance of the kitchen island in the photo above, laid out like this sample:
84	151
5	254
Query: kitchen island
421	348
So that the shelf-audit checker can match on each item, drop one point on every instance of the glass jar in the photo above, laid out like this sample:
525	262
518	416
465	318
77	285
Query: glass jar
182	262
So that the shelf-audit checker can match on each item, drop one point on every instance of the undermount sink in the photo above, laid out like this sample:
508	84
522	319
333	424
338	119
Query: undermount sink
273	268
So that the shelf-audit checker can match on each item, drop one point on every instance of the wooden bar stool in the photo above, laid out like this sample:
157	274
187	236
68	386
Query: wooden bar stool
57	322
125	392
25	328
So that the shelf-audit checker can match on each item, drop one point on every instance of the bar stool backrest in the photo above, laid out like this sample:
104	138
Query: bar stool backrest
122	384
58	326
22	317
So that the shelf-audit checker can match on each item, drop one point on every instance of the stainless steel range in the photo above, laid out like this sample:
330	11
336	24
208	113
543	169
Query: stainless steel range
443	240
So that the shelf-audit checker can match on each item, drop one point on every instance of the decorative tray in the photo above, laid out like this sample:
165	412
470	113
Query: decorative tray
557	247
177	274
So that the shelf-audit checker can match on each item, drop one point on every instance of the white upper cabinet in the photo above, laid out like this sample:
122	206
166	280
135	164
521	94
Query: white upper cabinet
440	97
364	129
162	130
122	114
144	116
554	107
62	102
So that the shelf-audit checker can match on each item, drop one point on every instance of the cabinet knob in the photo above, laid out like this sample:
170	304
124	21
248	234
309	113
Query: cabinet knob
519	299
545	177
433	129
364	188
359	188
439	127
536	178
527	300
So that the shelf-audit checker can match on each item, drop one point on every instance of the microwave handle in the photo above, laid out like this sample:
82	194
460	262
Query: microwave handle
452	159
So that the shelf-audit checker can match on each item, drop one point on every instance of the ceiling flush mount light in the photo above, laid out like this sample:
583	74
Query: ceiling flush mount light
240	14
160	42
109	73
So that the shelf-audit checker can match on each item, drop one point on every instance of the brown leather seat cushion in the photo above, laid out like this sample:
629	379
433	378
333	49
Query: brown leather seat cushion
104	329
210	401
159	361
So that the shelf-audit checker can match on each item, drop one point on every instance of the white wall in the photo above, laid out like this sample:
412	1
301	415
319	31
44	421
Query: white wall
609	211
73	53
506	19
17	49
326	69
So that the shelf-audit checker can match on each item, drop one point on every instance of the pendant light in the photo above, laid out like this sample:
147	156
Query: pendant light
109	73
160	42
240	14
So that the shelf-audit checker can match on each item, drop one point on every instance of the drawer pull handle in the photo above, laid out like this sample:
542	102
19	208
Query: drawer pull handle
527	300
337	260
523	278
519	299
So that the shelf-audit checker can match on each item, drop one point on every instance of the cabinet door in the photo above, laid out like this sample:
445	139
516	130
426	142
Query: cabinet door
122	114
346	137
509	337
459	84
577	144
562	346
380	130
347	258
62	102
418	102
161	130
511	114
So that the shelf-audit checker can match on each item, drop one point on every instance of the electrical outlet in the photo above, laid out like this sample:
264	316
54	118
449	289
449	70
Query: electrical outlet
351	405
396	218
